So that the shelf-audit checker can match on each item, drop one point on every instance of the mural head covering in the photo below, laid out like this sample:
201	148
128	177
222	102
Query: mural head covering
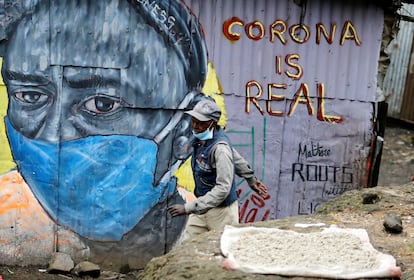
96	119
206	110
172	19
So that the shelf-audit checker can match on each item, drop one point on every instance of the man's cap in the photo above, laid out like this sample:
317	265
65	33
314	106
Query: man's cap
206	110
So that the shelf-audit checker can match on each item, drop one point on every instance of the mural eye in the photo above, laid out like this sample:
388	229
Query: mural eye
32	97
101	105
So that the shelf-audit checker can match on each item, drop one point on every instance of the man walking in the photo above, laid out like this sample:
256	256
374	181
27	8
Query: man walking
214	164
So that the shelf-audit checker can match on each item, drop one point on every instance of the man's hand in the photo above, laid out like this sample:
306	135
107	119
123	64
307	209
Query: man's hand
260	189
177	210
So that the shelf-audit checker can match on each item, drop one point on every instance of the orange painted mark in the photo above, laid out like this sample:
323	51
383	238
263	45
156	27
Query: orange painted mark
11	195
30	227
185	194
16	196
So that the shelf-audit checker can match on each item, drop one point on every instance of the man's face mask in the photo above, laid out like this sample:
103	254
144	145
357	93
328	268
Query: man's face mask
205	135
205	129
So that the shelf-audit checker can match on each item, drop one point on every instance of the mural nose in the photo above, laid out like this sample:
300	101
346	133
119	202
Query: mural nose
57	127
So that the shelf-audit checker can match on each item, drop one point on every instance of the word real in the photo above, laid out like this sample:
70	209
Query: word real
301	96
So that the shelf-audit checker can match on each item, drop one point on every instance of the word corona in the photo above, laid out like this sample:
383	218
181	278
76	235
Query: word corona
298	33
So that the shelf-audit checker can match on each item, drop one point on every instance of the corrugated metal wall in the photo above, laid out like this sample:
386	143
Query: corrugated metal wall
305	160
400	55
239	61
298	83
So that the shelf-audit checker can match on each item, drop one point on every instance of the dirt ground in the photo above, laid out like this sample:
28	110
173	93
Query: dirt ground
37	273
194	260
201	259
397	162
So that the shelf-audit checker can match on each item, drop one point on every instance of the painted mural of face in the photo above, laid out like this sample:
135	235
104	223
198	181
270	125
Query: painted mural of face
99	102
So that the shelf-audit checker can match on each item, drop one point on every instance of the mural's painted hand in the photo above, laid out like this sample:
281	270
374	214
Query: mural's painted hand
260	189
177	210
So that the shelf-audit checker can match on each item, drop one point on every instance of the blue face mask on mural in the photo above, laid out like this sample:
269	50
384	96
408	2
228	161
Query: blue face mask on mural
99	186
205	135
